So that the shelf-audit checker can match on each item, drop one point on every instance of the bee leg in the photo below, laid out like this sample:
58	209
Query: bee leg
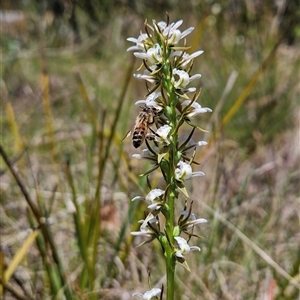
150	136
153	133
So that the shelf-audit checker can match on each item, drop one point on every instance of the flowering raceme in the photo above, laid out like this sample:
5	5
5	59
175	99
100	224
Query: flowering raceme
167	68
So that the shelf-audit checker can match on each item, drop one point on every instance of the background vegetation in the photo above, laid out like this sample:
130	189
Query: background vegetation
67	99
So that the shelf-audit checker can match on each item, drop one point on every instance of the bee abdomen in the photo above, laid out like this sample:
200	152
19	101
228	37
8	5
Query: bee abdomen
138	138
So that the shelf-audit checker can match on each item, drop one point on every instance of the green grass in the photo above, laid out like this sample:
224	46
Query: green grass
83	178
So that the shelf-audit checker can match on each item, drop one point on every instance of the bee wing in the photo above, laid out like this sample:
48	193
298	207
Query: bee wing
128	134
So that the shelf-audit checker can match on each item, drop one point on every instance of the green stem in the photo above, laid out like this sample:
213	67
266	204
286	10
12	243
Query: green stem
170	260
170	217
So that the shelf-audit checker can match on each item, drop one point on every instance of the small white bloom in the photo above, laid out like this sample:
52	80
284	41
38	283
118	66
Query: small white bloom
184	171
162	134
154	54
150	199
183	79
146	77
172	32
148	155
145	230
186	58
174	37
195	108
184	247
151	156
149	294
139	42
151	101
153	194
192	219
191	145
187	212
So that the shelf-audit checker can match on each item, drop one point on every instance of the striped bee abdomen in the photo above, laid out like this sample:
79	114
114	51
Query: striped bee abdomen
138	137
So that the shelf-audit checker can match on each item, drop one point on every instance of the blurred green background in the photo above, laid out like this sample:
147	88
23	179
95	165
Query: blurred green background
67	180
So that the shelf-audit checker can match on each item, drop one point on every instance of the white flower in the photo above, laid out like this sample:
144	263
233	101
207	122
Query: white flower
148	155
184	247
162	134
195	108
145	230
151	101
184	171
190	145
146	76
183	79
172	32
153	55
192	219
139	42
151	197
186	58
153	194
149	294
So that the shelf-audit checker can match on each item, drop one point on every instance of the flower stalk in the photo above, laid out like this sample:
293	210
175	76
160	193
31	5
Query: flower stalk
167	68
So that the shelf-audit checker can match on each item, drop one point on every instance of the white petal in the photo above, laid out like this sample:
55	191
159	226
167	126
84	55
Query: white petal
196	76
202	143
195	248
141	233
138	198
186	32
197	53
140	102
190	90
137	295
199	221
140	55
152	293
153	96
177	24
133	48
199	173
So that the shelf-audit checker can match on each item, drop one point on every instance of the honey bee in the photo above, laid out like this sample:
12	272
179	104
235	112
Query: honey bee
141	127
